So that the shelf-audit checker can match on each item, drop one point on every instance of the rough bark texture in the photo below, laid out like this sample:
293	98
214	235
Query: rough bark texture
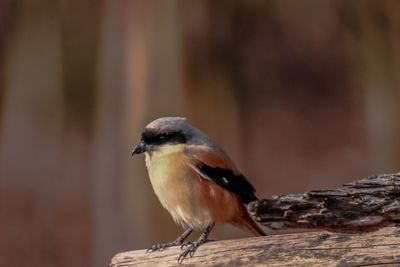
361	206
305	249
364	205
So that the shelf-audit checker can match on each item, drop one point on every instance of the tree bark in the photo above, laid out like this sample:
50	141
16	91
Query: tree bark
364	205
304	249
361	206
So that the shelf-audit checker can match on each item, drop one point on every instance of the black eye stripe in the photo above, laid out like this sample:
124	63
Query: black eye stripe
163	138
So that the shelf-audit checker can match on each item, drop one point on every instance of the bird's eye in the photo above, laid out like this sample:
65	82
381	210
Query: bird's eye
163	137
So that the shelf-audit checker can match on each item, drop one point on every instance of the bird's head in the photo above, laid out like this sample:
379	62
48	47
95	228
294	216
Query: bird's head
167	131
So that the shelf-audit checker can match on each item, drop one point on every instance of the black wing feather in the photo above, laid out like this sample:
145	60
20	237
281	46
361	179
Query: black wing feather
226	178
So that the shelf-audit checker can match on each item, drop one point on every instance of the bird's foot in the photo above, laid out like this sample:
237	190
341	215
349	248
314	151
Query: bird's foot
189	249
161	247
177	242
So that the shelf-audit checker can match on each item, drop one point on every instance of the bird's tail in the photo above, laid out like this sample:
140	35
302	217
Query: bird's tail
245	221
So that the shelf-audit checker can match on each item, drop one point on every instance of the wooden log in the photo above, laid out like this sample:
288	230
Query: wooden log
305	249
364	205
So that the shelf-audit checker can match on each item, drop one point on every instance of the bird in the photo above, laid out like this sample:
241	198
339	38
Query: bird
195	181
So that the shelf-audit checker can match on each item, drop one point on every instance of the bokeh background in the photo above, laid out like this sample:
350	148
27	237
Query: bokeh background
302	94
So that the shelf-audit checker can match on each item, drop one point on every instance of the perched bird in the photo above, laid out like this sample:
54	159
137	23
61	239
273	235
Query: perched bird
195	181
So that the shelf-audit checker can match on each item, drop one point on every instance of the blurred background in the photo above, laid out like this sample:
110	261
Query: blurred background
302	94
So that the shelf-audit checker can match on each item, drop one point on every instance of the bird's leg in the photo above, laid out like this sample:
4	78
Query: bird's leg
191	247
177	242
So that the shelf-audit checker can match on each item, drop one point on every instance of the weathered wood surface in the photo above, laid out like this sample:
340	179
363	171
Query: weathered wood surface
364	205
305	249
361	206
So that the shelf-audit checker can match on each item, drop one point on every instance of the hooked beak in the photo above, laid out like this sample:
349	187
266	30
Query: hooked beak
139	148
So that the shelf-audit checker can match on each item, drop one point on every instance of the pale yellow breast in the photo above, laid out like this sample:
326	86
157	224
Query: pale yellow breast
175	187
163	166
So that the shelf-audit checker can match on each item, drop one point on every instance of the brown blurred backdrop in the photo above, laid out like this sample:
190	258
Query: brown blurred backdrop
302	94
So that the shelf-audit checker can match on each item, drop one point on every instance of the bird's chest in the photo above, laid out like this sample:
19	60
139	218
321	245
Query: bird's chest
168	176
176	187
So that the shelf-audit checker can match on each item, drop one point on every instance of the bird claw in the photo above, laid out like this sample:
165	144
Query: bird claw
185	245
153	248
161	247
189	249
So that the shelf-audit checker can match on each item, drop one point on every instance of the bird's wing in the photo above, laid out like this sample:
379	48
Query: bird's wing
218	168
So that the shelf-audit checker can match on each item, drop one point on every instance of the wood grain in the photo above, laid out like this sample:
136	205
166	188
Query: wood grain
355	210
364	205
303	249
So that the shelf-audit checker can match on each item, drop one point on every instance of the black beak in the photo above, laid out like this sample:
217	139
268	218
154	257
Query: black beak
139	149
